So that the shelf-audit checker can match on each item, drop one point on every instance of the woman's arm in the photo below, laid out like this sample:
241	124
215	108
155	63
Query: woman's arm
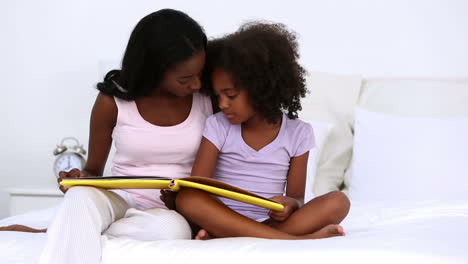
295	188
205	161
103	119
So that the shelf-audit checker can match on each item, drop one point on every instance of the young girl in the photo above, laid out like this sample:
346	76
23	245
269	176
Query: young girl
254	145
153	112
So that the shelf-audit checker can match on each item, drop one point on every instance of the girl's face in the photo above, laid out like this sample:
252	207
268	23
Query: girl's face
184	78
233	101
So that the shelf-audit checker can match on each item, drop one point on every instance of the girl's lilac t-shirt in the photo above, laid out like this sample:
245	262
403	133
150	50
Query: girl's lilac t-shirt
263	172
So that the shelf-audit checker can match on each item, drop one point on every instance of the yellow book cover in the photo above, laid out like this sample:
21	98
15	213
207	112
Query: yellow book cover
202	183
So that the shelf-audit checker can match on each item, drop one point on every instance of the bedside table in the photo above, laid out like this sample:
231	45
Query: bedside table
26	199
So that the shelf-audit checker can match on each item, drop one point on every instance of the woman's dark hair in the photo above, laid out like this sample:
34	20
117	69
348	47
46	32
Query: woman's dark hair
263	59
158	42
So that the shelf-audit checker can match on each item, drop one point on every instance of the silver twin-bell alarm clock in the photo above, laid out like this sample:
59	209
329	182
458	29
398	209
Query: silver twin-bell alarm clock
69	156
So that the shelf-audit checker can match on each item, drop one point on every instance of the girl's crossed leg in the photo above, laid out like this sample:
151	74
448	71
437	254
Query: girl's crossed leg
319	218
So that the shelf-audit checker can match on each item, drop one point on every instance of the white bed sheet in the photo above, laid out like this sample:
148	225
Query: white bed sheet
430	232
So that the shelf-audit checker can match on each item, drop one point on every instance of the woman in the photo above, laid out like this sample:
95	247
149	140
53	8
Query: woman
154	113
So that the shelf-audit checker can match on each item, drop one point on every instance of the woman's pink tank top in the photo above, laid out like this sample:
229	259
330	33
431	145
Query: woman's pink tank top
144	149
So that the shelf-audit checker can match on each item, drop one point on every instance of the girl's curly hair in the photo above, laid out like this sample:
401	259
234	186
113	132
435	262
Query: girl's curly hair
263	59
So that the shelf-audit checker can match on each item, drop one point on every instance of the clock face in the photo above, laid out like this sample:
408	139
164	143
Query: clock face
67	162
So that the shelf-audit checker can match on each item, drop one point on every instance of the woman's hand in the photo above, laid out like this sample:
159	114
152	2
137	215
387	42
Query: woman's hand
169	197
290	205
75	173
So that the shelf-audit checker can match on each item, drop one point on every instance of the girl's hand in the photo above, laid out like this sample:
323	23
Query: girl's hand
290	205
169	197
75	173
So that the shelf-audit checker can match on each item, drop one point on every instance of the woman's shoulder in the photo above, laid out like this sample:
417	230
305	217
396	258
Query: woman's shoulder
105	99
105	107
106	102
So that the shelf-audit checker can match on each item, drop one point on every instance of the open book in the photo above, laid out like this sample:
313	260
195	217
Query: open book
202	183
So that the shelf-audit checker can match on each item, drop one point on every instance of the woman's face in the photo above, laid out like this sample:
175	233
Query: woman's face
184	78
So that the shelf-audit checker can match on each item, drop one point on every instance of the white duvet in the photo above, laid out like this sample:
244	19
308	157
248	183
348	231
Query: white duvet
429	232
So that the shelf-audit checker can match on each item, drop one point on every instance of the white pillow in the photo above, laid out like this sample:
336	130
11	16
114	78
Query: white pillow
400	159
332	98
413	97
321	132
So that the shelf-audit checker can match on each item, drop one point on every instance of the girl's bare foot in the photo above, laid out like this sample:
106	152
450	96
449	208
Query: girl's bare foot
327	231
203	235
22	228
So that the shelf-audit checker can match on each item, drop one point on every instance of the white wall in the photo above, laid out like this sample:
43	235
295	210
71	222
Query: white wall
53	52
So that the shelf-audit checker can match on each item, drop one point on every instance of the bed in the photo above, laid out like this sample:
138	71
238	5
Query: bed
432	232
402	212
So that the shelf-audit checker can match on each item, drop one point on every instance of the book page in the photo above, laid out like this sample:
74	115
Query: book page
221	185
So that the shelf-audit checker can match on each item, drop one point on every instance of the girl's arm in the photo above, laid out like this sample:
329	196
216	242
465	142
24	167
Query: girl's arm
103	119
297	175
295	188
204	166
205	161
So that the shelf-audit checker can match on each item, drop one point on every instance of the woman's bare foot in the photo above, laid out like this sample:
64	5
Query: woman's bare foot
22	228
203	235
327	231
